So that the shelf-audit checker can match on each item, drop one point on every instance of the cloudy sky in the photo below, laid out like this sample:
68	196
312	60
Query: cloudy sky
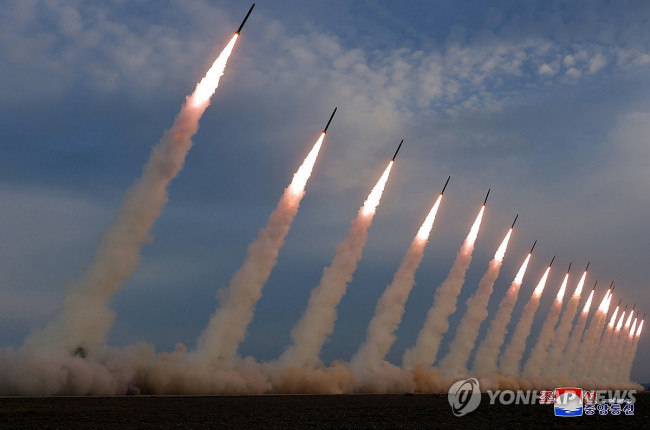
546	102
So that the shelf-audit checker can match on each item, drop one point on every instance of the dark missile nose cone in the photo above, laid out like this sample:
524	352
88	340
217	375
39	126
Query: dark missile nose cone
445	187
398	147
330	120
513	223
245	19
533	247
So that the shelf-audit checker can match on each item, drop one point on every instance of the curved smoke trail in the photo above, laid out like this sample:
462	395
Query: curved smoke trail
227	327
310	333
535	362
511	357
437	322
86	318
468	328
563	330
380	334
487	354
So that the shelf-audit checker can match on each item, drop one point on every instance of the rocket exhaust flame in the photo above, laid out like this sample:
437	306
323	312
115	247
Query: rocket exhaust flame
206	87
380	334
317	322
437	321
371	203
227	326
86	318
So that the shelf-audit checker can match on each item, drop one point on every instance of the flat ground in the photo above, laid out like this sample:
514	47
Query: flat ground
347	411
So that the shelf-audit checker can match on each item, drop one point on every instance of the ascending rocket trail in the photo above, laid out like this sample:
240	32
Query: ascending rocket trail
487	354
380	334
86	318
563	329
468	327
576	335
437	321
535	363
227	326
317	323
511	357
603	347
591	338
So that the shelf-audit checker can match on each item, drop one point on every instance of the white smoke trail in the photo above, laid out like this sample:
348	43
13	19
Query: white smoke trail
591	338
630	359
511	357
86	318
380	334
535	362
559	341
468	328
576	337
610	357
317	323
603	347
485	361
437	322
227	326
620	348
625	353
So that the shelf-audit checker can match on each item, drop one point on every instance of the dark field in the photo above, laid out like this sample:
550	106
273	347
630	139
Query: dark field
347	411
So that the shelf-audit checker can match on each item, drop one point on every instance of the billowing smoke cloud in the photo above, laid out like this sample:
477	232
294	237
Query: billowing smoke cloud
485	361
513	353
437	322
227	327
559	341
311	332
468	328
380	334
535	363
86	318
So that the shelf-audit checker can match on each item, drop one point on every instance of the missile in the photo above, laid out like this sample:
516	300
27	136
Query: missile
400	145
595	283
486	197
513	223
587	268
330	120
619	302
245	18
531	249
633	307
445	187
569	269
551	263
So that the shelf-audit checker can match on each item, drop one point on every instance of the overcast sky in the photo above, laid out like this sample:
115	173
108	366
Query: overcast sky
546	102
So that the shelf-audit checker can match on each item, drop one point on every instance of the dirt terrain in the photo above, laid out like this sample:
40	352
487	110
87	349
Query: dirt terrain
269	411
